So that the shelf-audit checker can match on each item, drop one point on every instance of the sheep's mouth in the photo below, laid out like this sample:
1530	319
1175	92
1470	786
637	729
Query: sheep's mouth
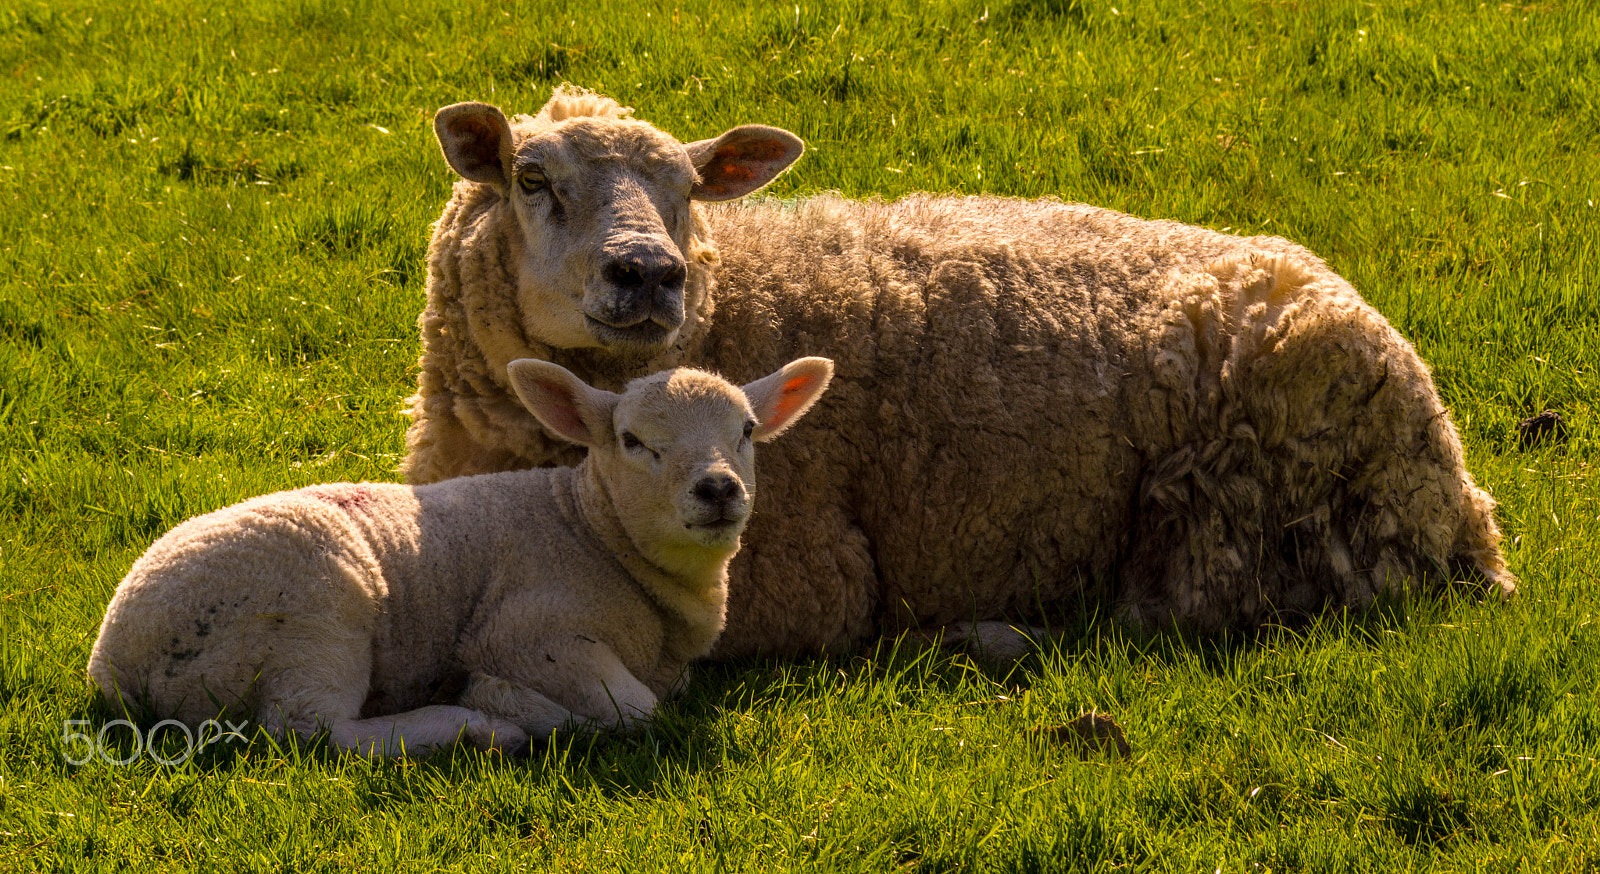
646	333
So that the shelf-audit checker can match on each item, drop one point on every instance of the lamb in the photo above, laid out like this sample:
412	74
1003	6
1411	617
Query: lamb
1046	404
571	596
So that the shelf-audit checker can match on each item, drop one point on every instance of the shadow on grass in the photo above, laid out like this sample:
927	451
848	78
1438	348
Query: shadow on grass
681	740
1089	633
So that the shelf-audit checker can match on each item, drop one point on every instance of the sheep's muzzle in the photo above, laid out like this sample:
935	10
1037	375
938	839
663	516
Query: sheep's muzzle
637	301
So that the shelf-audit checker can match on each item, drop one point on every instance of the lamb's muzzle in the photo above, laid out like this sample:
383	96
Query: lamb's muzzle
718	491
719	507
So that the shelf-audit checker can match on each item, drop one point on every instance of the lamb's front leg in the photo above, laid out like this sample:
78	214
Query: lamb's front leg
592	691
417	732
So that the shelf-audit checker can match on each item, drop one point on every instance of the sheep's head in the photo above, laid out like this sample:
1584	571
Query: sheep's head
611	245
675	449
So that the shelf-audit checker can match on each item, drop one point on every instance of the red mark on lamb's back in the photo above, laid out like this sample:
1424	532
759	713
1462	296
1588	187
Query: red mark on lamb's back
345	498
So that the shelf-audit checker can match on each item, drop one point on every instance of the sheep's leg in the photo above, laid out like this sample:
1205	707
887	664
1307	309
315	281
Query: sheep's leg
995	644
1199	566
608	693
319	682
414	732
322	685
1228	536
527	708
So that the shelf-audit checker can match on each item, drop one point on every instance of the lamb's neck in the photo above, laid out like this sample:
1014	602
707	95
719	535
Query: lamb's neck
690	591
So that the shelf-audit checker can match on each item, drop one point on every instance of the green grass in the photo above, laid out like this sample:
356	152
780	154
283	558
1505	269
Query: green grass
213	222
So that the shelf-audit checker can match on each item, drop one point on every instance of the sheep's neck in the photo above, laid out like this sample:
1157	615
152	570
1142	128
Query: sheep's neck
694	598
603	368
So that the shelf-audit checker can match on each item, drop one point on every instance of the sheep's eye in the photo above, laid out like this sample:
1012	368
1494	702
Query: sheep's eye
532	179
749	428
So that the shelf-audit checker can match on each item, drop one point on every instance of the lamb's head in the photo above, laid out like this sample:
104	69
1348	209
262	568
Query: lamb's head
612	251
674	451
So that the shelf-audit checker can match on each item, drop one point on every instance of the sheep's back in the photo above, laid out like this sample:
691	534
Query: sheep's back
992	414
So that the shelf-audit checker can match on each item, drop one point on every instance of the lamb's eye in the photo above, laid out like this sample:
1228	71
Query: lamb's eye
749	428
629	441
532	179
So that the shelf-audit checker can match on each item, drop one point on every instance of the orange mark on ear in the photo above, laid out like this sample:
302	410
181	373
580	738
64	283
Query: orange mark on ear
756	150
736	171
790	397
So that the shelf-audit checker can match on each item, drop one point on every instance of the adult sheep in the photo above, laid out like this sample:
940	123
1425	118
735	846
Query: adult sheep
1042	401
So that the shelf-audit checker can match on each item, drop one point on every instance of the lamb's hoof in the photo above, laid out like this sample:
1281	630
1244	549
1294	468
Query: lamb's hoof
1501	584
488	733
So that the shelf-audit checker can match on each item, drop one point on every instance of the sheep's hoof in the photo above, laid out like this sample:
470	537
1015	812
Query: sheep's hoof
995	646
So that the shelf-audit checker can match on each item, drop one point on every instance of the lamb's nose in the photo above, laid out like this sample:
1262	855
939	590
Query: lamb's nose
718	489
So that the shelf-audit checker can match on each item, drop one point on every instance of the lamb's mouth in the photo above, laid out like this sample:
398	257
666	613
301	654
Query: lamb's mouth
719	529
646	333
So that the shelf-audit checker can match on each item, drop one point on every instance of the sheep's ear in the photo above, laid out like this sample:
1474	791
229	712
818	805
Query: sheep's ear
741	161
781	398
477	142
565	404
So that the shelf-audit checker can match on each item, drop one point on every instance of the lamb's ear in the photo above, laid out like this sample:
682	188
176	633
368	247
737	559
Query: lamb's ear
477	142
565	404
781	398
741	161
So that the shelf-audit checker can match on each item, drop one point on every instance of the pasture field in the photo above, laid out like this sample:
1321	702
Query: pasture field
213	222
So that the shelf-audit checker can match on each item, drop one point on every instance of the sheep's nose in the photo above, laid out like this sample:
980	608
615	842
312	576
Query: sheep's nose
718	489
645	274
